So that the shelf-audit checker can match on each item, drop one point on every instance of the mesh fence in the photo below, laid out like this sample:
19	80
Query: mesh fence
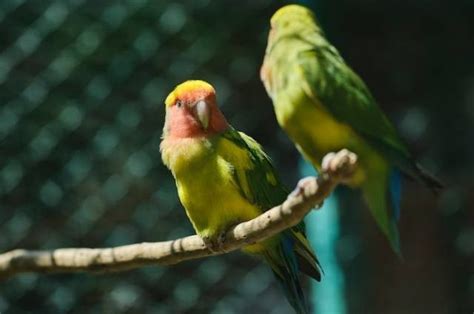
82	85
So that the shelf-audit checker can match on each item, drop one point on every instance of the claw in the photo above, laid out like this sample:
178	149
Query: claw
300	187
296	192
318	206
327	161
332	162
215	244
304	184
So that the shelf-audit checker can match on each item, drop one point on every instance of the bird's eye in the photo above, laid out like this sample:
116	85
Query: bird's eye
179	104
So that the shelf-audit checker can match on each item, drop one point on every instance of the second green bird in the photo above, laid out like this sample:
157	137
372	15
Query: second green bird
324	107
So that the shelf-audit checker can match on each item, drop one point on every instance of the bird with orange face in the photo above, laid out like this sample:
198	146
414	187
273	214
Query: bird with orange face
224	177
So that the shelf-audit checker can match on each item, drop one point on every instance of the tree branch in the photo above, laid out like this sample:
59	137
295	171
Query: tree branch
309	193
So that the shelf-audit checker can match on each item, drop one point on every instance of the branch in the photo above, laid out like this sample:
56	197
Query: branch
309	193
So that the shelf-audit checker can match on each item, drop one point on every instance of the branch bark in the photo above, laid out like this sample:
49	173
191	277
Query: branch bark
309	193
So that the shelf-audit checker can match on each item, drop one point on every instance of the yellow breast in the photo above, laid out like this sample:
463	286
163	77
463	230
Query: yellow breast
316	133
205	177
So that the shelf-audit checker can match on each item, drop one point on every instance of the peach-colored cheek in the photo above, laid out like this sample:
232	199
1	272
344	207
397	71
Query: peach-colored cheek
182	123
178	117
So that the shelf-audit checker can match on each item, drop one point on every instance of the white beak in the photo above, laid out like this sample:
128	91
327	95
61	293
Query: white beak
203	112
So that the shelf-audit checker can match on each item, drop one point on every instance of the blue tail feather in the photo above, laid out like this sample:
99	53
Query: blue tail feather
284	264
395	188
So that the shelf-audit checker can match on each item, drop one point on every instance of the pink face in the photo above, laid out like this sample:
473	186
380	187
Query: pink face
194	114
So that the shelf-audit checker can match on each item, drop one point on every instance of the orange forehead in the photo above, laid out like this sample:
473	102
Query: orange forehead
190	91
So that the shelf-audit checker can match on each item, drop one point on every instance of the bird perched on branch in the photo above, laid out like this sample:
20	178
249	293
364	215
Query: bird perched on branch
324	107
224	177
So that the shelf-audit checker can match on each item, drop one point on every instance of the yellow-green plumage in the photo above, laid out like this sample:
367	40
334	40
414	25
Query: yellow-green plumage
224	177
324	107
204	170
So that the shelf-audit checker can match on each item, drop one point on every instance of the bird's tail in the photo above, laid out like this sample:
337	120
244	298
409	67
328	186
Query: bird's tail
284	263
384	203
433	183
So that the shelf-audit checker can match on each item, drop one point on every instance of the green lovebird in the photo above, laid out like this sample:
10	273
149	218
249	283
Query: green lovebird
224	177
324	106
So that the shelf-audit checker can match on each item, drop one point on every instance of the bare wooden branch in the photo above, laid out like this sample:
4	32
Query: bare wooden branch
309	193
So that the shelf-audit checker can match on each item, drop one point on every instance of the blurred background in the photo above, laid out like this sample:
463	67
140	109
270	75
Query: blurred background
82	85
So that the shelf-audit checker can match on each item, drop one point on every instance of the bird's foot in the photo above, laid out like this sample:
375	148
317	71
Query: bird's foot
215	244
303	184
334	163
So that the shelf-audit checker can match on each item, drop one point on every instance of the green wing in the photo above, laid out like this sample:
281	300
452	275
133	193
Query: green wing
261	186
345	95
342	92
259	183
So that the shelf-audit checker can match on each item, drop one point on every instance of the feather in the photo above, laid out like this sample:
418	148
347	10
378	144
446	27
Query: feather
395	187
284	264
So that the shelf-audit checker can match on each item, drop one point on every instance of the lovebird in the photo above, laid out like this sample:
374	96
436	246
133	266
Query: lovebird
223	177
324	106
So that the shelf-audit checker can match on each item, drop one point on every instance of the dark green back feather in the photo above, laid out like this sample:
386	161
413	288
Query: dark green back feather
263	191
266	191
343	93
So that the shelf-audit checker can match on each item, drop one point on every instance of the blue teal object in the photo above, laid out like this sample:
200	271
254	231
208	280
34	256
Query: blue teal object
322	230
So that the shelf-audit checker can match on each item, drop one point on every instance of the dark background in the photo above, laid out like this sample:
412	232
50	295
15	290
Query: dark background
82	85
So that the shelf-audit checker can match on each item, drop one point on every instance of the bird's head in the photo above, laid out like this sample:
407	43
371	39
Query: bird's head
292	19
192	111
